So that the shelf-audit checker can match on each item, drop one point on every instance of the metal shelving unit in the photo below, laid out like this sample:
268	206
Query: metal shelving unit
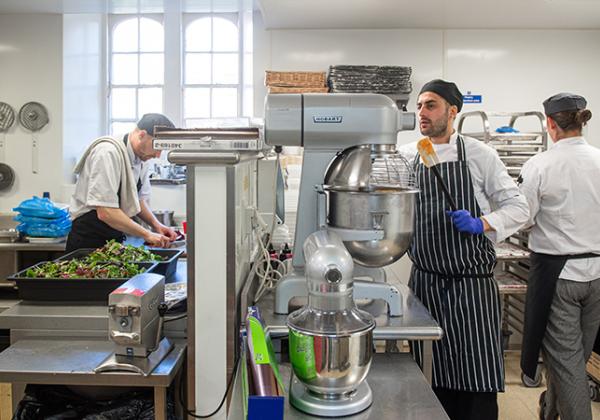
514	149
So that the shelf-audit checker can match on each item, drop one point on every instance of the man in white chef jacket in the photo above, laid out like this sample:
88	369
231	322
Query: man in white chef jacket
562	316
453	255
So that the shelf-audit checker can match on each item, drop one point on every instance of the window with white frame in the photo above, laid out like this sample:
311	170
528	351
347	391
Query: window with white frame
211	70
136	69
205	77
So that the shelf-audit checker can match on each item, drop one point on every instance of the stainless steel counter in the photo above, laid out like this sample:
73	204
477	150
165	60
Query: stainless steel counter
72	362
64	319
28	246
400	391
415	324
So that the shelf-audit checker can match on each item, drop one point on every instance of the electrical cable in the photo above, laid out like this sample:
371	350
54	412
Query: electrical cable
263	268
206	416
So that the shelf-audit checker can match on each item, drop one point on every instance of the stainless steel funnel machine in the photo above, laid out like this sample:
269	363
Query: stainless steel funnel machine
353	183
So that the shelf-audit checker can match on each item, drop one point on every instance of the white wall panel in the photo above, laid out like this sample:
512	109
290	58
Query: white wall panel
31	70
517	70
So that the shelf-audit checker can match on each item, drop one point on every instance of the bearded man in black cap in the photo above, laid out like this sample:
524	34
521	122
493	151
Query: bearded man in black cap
562	311
113	186
453	255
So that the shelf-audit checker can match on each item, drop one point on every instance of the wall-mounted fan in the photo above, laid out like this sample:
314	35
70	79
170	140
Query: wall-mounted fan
33	116
7	119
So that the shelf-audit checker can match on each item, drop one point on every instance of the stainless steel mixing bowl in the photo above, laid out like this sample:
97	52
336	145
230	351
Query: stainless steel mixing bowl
391	210
372	188
331	366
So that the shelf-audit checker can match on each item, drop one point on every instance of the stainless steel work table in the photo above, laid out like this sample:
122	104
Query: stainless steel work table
416	323
400	391
57	362
71	319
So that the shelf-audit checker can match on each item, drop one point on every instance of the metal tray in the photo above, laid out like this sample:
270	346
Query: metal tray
167	267
74	289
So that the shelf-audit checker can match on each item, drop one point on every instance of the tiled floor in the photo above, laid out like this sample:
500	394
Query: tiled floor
519	402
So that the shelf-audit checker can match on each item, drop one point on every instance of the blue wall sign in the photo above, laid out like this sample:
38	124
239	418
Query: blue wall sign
472	99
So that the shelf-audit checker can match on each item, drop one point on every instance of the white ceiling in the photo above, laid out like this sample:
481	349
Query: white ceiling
443	14
117	6
357	14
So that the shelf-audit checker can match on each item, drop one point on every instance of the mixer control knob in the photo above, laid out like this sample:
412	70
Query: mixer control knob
333	274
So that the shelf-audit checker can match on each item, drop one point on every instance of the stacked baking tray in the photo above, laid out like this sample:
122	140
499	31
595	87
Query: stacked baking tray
393	81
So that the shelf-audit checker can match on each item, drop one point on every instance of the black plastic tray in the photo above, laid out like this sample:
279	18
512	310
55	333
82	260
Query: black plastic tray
167	267
82	289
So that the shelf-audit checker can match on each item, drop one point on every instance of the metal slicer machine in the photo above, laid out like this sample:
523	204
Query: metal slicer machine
135	322
355	215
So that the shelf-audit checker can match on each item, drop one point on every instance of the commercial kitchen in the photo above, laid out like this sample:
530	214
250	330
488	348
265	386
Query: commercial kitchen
265	271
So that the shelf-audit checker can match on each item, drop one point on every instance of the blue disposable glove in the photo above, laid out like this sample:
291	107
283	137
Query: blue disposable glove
464	222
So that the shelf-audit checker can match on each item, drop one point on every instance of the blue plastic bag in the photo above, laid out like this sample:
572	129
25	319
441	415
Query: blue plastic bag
506	129
49	230
40	207
38	220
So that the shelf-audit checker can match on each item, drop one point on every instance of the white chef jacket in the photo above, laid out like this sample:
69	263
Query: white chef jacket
562	187
99	181
502	206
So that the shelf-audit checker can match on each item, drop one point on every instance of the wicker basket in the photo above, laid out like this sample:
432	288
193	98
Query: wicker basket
295	78
304	89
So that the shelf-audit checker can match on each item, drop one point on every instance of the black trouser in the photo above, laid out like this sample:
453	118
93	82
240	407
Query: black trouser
464	405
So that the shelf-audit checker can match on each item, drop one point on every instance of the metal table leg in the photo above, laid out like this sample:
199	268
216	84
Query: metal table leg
427	359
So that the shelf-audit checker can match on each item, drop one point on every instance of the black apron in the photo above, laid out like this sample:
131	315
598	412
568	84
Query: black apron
452	276
544	271
88	231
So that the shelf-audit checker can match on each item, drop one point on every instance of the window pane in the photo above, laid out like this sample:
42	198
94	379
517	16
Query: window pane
225	69
197	68
225	35
224	102
151	35
124	69
122	103
196	103
125	36
121	127
198	35
149	100
152	69
196	123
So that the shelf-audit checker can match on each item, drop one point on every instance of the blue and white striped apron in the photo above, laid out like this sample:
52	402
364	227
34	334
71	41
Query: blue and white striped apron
452	276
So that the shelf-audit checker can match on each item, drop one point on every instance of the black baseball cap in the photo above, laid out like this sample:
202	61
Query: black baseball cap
149	121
